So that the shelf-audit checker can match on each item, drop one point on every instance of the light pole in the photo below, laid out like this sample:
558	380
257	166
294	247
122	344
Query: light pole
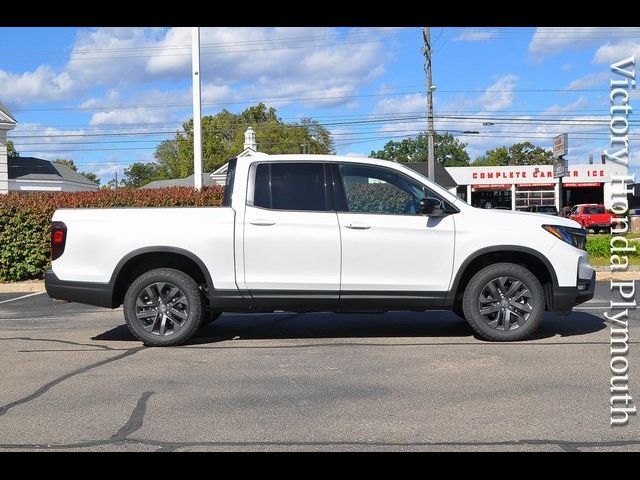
426	34
431	156
197	127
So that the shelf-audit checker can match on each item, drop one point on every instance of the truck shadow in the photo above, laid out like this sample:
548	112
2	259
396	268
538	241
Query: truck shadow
436	324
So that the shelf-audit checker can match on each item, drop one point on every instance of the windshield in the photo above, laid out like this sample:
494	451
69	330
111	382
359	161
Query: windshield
547	209
593	210
434	186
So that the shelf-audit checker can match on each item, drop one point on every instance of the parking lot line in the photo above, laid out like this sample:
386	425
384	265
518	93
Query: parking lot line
23	296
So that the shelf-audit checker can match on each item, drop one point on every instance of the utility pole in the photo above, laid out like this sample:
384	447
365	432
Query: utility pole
426	34
197	128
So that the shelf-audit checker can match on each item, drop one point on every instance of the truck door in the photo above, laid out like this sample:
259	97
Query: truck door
291	236
388	248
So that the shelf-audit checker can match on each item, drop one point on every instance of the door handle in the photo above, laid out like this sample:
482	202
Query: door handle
262	223
358	226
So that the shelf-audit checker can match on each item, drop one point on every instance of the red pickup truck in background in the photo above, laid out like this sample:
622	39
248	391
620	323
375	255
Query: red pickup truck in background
592	216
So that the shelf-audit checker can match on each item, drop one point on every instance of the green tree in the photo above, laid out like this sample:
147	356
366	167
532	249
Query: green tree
91	176
66	162
11	150
223	138
495	157
112	184
138	174
524	153
448	150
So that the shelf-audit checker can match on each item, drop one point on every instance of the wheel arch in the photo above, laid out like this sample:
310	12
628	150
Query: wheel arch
529	258
144	259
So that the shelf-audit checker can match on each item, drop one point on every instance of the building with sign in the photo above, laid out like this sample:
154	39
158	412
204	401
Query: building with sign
515	187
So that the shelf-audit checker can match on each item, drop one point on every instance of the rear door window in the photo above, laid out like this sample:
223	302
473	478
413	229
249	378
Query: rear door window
291	186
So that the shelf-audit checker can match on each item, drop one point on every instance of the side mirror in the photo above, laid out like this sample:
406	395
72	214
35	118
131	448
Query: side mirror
432	207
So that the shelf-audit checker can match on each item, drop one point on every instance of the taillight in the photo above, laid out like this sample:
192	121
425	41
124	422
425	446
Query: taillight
58	239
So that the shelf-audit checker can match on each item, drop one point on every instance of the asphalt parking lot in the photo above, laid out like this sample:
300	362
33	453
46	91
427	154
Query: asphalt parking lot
73	378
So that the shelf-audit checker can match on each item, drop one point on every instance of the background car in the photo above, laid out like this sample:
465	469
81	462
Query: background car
545	209
592	216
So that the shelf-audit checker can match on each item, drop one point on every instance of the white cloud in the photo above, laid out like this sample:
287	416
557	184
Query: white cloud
551	40
127	116
411	103
26	135
40	141
476	35
247	63
588	81
108	171
215	93
145	107
151	106
499	95
580	103
587	134
112	98
277	62
114	56
42	84
614	52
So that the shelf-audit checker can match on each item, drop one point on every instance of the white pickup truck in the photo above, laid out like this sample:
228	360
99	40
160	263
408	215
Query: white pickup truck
320	233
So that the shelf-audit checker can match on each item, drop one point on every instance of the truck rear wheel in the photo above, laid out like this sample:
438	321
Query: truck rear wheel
163	307
504	302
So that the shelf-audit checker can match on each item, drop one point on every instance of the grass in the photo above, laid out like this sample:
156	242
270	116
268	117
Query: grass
605	262
598	247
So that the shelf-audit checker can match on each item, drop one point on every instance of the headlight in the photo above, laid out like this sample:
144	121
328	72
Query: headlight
573	236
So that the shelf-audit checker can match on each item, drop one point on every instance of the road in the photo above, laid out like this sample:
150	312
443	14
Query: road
73	378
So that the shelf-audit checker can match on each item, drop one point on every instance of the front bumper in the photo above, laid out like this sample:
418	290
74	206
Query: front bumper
563	299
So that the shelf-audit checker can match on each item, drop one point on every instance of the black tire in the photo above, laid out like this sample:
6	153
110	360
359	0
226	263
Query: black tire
193	309
533	301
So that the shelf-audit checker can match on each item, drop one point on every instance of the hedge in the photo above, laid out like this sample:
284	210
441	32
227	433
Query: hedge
25	220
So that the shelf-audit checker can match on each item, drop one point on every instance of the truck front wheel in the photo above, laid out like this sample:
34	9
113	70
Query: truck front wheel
504	302
163	307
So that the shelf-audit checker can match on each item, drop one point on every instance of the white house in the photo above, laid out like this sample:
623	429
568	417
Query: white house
7	123
22	174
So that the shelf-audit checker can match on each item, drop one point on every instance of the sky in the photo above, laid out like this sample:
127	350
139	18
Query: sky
105	97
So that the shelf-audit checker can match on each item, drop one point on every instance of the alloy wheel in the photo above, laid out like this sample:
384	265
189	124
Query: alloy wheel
162	309
505	303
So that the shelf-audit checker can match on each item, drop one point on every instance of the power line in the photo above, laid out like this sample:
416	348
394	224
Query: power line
228	52
272	100
234	127
347	141
263	41
390	114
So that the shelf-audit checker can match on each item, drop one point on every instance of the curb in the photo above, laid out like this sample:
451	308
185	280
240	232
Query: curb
627	275
22	287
